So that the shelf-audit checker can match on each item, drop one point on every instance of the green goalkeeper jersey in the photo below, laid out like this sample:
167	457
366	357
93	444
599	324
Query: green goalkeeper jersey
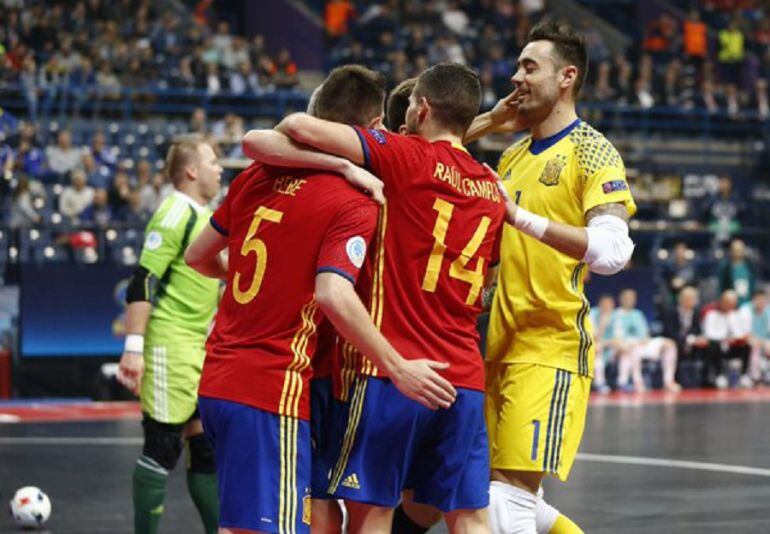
184	300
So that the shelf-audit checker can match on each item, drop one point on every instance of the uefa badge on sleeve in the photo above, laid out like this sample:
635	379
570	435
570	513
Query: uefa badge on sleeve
153	241
356	250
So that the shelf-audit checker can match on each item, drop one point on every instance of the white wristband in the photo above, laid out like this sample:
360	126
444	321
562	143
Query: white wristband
529	223
134	343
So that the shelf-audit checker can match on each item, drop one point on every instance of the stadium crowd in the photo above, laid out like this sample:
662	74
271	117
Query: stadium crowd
677	63
62	55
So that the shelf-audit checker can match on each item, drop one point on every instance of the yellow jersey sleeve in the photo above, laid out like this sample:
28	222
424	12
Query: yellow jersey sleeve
604	176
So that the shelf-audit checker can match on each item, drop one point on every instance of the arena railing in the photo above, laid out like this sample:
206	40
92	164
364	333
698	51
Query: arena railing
136	103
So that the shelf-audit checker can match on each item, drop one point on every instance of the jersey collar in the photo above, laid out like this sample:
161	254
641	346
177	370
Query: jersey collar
198	207
541	145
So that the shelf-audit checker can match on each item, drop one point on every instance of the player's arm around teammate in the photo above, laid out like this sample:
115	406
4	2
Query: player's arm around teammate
417	379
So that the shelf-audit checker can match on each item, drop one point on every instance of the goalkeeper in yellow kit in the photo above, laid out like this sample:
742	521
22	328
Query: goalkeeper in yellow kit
569	203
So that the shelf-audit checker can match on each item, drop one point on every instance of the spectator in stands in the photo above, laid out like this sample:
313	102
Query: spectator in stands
7	158
143	174
30	86
63	158
119	192
683	325
601	320
669	90
760	101
213	83
285	74
23	212
107	83
337	14
631	336
643	96
695	39
738	273
728	342
723	212
629	332
30	160
731	51
183	77
132	211
102	155
229	130
153	193
98	212
756	317
680	270
244	81
77	197
198	122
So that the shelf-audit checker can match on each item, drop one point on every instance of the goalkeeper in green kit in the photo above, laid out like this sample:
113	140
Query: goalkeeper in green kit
170	307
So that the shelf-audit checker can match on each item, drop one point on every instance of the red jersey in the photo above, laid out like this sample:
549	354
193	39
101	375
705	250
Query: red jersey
436	237
283	227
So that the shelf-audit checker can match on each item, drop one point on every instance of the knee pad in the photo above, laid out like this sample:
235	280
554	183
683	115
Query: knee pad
162	442
200	455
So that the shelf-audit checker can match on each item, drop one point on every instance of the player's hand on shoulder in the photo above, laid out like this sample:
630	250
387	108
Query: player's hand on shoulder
510	205
130	371
366	181
418	380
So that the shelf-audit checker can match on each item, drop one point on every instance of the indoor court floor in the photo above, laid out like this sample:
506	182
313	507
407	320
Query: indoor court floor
698	462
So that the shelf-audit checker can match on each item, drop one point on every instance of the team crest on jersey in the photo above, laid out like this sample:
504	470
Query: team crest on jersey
551	172
378	136
356	249
153	241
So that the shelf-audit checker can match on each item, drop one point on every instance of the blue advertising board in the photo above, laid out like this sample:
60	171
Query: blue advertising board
72	310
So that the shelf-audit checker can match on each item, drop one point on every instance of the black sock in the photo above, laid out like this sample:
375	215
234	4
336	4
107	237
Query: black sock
403	524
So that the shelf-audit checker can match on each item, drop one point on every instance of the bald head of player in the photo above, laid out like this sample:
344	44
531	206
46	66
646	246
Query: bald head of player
551	70
191	165
397	104
445	100
351	94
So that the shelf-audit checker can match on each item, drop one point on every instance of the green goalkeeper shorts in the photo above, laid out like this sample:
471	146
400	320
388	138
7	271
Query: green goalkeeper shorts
172	370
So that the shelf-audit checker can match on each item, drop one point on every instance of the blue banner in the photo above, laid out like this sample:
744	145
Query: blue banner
72	310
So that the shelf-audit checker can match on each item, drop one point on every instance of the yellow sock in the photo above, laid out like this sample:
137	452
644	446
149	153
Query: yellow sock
564	525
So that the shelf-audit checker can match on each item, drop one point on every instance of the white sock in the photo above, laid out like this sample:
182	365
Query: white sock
545	514
511	509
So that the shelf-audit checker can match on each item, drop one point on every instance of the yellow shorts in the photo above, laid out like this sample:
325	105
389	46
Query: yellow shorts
535	417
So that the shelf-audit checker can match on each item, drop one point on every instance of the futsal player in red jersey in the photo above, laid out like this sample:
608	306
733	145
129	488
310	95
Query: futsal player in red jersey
296	241
437	236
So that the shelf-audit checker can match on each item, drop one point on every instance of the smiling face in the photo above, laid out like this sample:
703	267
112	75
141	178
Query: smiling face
539	81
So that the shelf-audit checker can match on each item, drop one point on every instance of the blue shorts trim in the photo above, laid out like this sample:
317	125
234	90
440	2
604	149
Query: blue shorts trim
263	466
393	443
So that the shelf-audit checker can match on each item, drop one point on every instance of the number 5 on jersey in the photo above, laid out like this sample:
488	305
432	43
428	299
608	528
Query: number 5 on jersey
457	269
252	244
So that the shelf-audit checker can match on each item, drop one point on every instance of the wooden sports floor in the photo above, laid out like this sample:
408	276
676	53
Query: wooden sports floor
694	463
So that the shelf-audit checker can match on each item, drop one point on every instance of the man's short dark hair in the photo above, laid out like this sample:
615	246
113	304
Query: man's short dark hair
398	101
569	47
454	93
351	94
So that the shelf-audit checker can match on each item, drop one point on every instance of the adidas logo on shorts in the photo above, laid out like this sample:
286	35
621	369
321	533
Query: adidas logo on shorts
351	482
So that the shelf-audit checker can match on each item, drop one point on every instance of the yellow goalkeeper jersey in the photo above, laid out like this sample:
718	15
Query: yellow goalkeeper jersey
539	313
